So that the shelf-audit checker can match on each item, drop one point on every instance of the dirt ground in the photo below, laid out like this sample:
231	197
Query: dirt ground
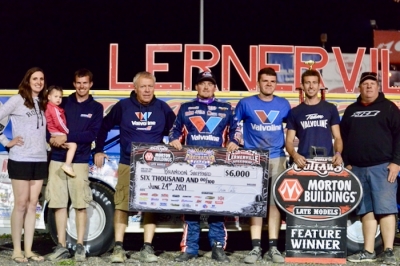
166	246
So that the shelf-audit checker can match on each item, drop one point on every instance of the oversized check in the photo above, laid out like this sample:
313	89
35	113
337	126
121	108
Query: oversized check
198	180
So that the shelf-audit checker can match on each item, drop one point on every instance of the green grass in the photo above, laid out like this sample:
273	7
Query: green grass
3	236
66	262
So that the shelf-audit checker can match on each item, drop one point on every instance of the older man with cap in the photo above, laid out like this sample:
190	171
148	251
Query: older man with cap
206	122
370	129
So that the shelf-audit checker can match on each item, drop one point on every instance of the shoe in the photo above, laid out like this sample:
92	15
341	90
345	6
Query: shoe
118	255
388	257
253	256
274	255
362	256
147	254
59	253
185	257
80	253
68	170
218	253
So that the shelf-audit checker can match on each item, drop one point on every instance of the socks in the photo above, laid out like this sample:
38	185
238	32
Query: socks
147	244
118	243
273	243
256	243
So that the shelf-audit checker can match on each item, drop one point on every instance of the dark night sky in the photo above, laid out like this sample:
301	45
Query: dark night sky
62	36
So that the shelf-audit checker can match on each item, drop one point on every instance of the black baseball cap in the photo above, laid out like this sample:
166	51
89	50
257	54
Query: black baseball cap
368	75
206	75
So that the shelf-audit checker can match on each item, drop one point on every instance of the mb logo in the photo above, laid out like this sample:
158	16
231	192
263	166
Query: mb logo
290	190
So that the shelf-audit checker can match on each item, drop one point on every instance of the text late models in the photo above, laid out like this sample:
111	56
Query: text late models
318	191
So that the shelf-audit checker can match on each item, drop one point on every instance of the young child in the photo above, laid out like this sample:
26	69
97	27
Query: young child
56	124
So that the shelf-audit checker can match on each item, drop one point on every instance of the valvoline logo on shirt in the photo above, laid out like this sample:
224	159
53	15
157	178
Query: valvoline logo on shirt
143	119
205	126
267	121
143	116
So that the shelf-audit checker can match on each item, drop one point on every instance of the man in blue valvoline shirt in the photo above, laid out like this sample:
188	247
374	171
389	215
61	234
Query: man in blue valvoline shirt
207	122
262	117
141	118
84	116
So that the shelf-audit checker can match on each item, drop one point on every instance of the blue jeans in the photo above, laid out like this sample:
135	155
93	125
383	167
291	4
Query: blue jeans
191	232
379	195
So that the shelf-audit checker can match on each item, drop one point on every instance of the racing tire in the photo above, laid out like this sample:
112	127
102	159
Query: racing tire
355	238
99	236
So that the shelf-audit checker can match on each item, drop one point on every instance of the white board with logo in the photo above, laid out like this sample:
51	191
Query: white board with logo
198	180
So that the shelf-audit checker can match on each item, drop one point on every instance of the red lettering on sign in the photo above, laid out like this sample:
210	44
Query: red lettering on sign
228	55
264	50
373	52
299	64
258	58
152	66
349	83
201	64
385	73
113	71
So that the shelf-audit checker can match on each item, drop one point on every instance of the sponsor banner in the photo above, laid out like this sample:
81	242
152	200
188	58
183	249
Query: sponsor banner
317	192
198	180
390	40
310	242
317	199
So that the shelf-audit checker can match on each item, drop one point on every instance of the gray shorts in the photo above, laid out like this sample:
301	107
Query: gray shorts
379	195
61	187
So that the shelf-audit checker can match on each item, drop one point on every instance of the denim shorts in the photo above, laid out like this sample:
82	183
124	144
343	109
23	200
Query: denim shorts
379	195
